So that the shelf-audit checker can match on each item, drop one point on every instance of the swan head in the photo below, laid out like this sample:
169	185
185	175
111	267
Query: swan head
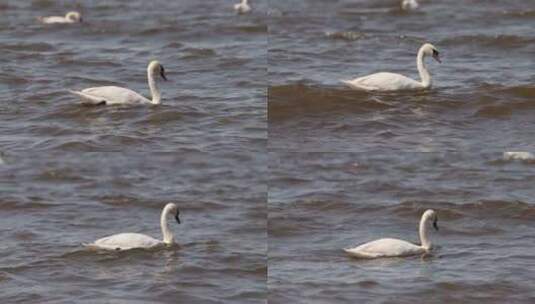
172	208
74	16
431	215
430	50
156	68
409	4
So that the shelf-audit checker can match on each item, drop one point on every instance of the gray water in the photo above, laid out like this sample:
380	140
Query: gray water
482	96
215	99
274	164
51	205
320	203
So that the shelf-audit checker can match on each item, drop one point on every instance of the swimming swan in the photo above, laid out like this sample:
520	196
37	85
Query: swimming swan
394	247
111	95
70	17
393	82
124	241
408	5
243	7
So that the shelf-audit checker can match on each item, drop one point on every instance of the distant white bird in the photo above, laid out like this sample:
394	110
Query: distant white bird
111	95
70	17
124	241
518	155
395	82
394	247
243	7
409	5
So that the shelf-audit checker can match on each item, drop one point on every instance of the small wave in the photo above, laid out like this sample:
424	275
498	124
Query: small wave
260	28
498	41
286	100
482	208
347	35
28	47
195	53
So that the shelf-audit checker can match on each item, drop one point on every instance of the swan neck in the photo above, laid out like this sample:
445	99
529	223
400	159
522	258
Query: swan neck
426	243
167	234
154	90
422	69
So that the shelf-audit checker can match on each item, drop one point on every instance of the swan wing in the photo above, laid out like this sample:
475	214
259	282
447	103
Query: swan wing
385	248
242	8
110	95
384	82
54	19
123	241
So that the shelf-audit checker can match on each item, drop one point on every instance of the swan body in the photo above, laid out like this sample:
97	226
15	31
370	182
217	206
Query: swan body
409	5
125	241
70	17
518	156
389	247
243	7
112	95
396	82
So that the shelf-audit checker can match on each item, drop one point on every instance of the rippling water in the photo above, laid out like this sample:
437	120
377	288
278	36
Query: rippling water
215	61
483	96
50	205
275	165
320	203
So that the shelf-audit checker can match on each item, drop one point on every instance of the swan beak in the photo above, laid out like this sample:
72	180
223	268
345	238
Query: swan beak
162	73
436	56
176	217
435	225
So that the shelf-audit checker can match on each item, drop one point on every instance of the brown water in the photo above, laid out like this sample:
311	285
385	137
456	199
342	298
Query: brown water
483	96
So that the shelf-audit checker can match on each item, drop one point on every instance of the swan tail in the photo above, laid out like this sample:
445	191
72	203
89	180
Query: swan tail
88	99
354	85
358	254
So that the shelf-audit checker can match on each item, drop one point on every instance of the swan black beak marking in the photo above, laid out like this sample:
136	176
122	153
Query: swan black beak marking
436	56
162	73
176	216
435	224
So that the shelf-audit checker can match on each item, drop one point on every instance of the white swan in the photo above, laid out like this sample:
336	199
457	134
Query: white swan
395	82
70	17
408	5
518	155
394	247
243	7
123	241
111	95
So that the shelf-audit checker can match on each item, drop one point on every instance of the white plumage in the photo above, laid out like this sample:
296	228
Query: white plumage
384	81
389	247
70	17
409	5
243	7
112	95
124	241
